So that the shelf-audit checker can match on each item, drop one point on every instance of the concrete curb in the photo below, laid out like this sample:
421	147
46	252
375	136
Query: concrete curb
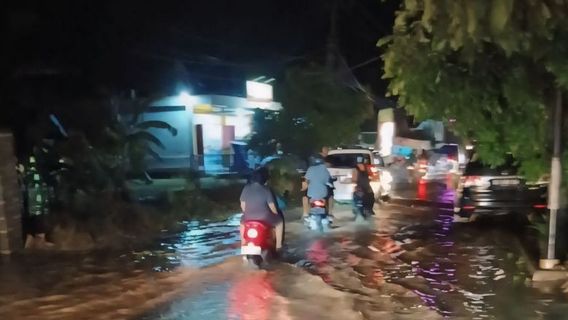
549	275
537	274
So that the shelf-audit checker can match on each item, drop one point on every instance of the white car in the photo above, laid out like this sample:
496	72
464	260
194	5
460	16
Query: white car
343	161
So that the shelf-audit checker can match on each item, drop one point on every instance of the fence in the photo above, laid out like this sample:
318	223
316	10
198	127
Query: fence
10	198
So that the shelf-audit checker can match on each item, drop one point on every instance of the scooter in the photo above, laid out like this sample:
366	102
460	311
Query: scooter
258	243
318	219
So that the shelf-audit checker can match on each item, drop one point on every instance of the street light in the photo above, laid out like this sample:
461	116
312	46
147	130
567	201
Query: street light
185	97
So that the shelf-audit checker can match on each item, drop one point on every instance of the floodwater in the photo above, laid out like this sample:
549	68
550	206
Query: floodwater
409	263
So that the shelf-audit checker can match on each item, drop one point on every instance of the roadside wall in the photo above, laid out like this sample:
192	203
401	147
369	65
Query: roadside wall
10	198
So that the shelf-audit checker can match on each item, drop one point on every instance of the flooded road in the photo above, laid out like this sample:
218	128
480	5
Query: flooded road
409	263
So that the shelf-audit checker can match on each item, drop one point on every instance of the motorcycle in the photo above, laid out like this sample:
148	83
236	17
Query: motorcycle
259	242
318	218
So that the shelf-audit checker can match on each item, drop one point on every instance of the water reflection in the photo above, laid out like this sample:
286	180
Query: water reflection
202	244
460	271
318	256
251	297
422	192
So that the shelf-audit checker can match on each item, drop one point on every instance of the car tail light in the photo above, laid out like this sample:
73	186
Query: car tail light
252	233
472	181
373	172
318	203
540	206
469	207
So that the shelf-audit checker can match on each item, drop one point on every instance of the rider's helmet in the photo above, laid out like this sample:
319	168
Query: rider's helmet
316	159
259	175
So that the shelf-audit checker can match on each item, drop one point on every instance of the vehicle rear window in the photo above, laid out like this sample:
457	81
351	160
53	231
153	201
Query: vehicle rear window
378	160
346	160
478	168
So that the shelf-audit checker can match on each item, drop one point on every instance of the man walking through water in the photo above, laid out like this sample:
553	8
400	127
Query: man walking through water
324	153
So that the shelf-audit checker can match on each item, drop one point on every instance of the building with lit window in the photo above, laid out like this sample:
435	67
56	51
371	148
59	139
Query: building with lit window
209	127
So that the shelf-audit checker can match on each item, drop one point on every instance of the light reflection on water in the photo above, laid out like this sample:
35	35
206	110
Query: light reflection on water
202	244
210	304
460	271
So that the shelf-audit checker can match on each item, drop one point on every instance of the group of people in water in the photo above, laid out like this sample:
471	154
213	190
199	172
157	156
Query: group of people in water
259	202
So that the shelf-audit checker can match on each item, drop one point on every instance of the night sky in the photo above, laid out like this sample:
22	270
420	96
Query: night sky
214	45
65	57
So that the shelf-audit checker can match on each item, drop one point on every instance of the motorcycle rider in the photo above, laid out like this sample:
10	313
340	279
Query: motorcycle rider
258	203
317	160
317	179
363	190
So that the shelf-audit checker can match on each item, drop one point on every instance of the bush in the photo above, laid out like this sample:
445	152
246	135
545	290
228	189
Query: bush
284	177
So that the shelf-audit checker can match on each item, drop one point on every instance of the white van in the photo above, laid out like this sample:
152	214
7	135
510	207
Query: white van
341	164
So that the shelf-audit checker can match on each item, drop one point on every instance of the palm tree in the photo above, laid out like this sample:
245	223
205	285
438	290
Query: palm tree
128	142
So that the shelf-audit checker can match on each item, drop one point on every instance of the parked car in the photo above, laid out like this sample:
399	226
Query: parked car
484	190
454	154
439	169
341	165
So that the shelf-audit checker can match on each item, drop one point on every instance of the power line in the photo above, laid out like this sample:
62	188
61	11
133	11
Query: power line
364	63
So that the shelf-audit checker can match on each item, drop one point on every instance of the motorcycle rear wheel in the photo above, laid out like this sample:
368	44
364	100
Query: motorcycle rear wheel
254	261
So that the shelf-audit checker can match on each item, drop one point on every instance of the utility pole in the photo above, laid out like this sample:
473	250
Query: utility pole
554	186
332	37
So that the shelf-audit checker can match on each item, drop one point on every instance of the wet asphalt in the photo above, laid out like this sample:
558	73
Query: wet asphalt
409	261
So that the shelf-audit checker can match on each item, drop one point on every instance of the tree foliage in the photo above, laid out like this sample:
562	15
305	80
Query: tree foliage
127	142
494	66
317	110
119	152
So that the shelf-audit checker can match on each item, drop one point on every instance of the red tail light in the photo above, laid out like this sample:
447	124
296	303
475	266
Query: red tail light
318	203
468	207
252	233
470	181
540	206
257	233
373	172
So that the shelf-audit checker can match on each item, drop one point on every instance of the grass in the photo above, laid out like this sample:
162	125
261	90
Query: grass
94	221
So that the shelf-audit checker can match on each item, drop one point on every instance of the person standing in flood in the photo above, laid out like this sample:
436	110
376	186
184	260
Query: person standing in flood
363	190
330	187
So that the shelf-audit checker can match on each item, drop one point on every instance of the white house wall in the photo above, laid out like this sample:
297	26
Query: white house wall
212	132
178	151
242	124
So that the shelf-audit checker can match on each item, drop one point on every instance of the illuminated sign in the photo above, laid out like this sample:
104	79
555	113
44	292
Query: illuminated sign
386	131
257	91
386	135
203	108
